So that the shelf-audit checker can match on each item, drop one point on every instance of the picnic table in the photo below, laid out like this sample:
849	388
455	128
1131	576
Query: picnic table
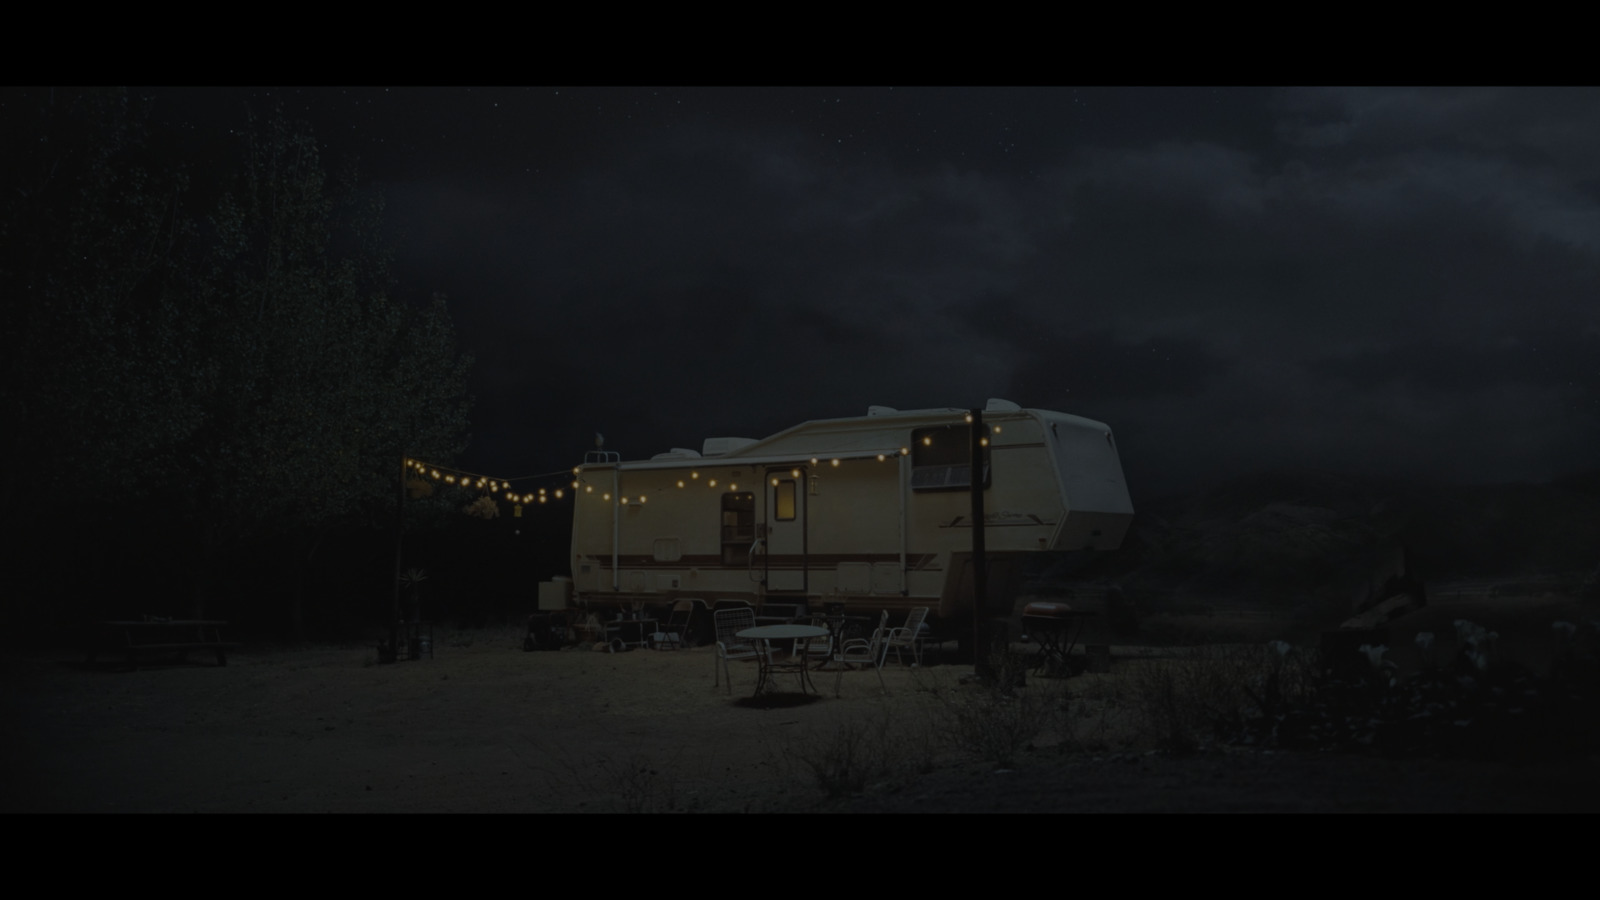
133	638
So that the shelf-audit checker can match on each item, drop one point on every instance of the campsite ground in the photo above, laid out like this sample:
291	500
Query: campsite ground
486	727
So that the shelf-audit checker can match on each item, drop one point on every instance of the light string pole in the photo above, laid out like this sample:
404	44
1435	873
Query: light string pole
980	568
399	540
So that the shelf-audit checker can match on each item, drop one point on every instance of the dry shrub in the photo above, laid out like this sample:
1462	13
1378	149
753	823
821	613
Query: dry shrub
632	781
844	758
1212	692
636	784
994	718
1096	717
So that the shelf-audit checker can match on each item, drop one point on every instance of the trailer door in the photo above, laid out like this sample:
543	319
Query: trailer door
786	529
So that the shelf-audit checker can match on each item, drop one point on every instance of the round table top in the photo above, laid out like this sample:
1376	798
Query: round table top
782	632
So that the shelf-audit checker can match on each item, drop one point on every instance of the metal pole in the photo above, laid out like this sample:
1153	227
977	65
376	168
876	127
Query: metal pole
980	568
905	487
616	526
399	538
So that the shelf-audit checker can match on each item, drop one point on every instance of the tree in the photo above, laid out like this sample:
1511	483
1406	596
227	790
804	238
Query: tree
316	382
244	370
90	232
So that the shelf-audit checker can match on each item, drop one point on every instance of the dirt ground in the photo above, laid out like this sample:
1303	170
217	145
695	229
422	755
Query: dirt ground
486	727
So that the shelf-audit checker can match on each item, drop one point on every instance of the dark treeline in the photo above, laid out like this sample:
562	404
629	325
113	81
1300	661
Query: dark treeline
208	384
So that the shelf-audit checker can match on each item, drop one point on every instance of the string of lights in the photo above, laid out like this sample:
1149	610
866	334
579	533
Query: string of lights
490	486
494	486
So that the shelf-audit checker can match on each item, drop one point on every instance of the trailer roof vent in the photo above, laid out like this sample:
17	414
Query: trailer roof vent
721	446
997	405
678	453
881	410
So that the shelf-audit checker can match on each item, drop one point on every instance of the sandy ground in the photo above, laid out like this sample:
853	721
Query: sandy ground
486	727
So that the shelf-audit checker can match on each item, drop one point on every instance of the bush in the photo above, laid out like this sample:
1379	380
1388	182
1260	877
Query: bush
1477	706
844	758
1219	692
995	720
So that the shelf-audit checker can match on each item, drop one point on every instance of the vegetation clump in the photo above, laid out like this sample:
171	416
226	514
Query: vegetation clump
1477	705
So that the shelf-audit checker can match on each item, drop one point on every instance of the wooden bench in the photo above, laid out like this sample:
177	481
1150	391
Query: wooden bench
131	639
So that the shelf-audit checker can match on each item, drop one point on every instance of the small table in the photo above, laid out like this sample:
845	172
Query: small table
796	662
624	633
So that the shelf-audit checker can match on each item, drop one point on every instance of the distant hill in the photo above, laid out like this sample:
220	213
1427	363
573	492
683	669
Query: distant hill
1311	534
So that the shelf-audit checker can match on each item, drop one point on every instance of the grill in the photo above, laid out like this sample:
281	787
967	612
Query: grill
1056	626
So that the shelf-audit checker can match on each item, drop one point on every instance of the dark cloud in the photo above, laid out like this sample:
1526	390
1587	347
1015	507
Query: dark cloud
1359	279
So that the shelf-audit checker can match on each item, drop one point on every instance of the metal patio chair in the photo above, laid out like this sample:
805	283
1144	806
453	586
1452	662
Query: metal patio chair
822	646
908	636
729	622
862	651
675	632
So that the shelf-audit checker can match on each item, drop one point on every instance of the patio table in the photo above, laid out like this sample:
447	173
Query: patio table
795	663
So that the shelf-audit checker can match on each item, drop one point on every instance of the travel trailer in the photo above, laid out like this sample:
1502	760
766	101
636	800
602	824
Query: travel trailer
873	512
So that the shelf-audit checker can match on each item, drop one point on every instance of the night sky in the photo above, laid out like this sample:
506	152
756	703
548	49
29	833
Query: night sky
1383	282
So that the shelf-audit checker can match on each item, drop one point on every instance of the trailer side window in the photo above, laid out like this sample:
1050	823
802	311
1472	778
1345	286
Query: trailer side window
738	527
941	459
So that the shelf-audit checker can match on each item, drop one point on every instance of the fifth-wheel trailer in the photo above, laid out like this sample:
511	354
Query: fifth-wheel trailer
872	511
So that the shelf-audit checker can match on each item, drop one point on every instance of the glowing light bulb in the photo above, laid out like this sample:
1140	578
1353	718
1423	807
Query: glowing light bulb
608	495
880	457
543	498
969	418
813	460
680	482
642	498
795	472
694	474
905	451
733	487
927	441
712	482
997	429
774	482
983	441
574	485
587	489
836	463
576	469
558	493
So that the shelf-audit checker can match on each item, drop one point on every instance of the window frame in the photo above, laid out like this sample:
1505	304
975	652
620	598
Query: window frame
941	475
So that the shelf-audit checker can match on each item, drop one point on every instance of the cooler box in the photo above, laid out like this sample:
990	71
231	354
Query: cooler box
555	595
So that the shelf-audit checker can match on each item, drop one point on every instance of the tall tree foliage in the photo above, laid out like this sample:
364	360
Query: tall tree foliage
91	229
242	367
89	237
